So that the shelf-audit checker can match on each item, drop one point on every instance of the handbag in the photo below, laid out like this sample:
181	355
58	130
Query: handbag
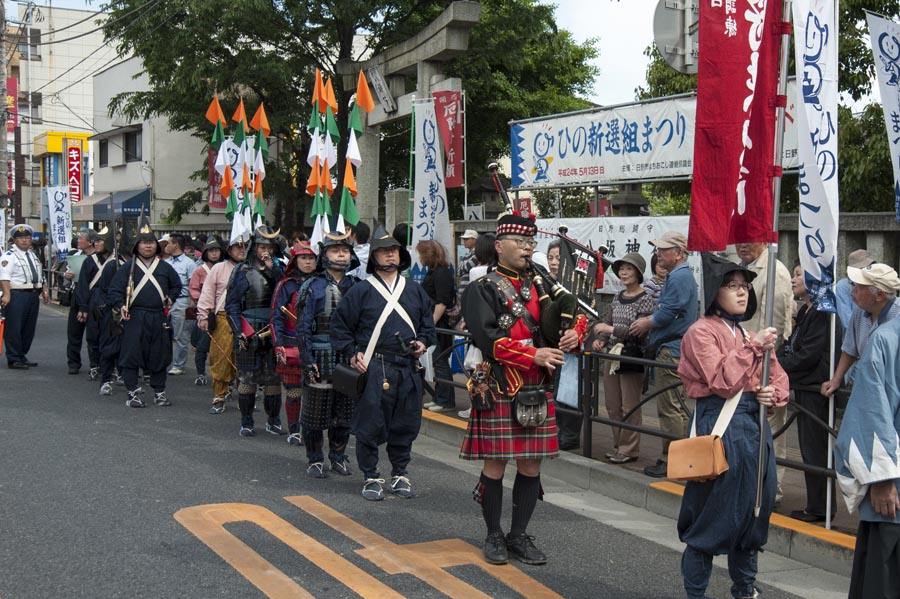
190	313
292	356
531	406
699	459
453	314
348	380
480	393
631	351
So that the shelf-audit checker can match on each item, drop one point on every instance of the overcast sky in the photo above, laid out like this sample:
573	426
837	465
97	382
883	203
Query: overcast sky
625	29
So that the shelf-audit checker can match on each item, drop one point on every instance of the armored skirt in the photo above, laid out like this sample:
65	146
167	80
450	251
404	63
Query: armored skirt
717	516
496	434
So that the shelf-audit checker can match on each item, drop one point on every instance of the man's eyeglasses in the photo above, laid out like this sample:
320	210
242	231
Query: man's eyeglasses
522	242
735	286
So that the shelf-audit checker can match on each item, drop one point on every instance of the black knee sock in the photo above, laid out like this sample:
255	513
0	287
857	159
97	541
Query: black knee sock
489	493
525	495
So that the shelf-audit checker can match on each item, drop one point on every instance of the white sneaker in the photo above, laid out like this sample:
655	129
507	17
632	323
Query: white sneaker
464	414
106	389
428	404
176	371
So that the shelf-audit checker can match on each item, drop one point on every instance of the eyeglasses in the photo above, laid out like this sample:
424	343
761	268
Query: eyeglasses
522	243
735	286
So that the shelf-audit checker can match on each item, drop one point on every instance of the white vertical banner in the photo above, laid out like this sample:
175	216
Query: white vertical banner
60	217
431	216
816	50
3	228
885	37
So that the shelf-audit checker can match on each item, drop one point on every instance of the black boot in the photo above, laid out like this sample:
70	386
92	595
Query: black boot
522	548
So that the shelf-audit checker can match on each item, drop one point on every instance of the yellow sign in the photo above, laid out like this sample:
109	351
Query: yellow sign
425	561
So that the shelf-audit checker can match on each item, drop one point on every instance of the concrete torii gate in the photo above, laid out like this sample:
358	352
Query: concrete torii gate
423	56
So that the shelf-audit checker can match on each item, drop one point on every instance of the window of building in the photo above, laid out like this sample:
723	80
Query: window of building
104	152
133	146
35	50
36	102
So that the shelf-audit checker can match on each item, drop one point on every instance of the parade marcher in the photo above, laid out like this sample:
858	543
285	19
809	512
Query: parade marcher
185	266
360	234
212	254
110	328
722	362
248	304
142	291
867	467
77	330
503	312
383	325
90	294
286	311
23	286
323	407
213	321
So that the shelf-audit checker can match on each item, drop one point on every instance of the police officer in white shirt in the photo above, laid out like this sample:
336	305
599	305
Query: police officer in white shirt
21	281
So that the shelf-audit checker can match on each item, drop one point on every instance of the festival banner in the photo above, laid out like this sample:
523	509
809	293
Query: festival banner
620	235
59	212
74	170
885	37
816	50
12	104
430	210
448	108
731	196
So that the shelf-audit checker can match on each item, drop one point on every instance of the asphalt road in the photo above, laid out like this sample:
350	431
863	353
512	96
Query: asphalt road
101	500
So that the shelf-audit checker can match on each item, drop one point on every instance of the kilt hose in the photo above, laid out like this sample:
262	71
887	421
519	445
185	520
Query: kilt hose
497	435
220	364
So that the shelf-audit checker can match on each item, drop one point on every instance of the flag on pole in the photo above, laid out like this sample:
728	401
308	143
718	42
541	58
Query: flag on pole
731	197
816	53
214	113
363	96
884	34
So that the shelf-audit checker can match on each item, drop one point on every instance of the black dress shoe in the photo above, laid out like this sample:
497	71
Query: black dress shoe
495	549
522	548
805	516
31	364
73	369
658	470
18	365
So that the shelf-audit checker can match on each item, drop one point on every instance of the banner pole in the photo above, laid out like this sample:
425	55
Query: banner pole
412	158
773	245
829	496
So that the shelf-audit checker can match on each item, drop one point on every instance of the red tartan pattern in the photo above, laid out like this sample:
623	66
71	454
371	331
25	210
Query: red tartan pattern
497	435
290	375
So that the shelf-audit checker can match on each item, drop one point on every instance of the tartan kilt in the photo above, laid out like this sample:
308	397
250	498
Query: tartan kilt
497	435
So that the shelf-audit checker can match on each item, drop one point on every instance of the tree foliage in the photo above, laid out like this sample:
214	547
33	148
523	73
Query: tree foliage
568	202
865	174
519	65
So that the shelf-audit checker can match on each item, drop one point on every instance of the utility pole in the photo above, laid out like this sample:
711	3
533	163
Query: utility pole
4	161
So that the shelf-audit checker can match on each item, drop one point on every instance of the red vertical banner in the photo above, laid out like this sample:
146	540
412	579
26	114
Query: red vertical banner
731	197
448	109
214	181
12	103
73	170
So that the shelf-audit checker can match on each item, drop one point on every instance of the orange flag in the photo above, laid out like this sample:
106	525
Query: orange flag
313	183
214	113
240	115
329	97
325	179
227	183
363	95
349	179
246	184
260	122
257	187
319	92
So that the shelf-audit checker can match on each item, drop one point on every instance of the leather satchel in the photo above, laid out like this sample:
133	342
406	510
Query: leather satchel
699	459
348	381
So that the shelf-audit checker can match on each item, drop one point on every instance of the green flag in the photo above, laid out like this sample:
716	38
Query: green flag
232	206
262	145
331	125
240	135
218	137
348	207
355	122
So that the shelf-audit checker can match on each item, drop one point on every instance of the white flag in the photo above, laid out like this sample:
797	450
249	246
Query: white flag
885	37
353	150
816	52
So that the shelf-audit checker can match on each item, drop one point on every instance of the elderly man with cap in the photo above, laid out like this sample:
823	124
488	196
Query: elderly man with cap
676	310
185	266
875	295
287	306
843	289
22	283
467	262
142	291
383	325
516	419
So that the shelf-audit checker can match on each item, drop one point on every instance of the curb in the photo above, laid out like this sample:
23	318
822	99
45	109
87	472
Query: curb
806	543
